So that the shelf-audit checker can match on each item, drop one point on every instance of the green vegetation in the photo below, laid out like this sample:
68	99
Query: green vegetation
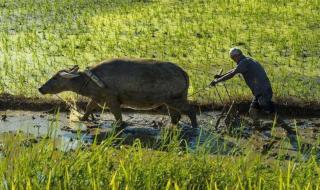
106	166
38	38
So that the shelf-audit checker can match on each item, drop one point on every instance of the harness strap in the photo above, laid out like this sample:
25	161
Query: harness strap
94	78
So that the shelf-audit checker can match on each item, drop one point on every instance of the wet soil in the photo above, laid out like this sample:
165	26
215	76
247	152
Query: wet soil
264	138
286	108
38	117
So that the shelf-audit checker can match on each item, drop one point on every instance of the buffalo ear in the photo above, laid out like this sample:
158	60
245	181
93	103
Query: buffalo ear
68	75
74	69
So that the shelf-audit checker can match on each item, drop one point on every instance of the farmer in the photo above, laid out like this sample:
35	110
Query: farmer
256	79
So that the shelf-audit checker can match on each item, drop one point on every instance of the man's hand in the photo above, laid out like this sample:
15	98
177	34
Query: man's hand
217	76
213	83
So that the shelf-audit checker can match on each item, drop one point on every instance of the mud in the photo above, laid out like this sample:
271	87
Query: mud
154	129
288	108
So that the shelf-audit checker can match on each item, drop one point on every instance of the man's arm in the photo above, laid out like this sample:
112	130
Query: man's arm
241	68
221	75
227	76
224	77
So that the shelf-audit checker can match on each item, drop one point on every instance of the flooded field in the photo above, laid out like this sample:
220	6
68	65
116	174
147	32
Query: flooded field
151	128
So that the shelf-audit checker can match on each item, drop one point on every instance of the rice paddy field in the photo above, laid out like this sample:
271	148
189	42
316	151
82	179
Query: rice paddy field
40	37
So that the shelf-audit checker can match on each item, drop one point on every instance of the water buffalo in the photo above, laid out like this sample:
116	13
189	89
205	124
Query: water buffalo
134	83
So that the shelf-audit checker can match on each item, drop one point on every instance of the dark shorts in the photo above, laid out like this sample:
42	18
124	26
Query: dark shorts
263	102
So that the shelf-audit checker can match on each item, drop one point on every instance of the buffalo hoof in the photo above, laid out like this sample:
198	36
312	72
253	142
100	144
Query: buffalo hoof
119	127
84	118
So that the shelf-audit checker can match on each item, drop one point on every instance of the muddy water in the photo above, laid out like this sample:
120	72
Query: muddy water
149	128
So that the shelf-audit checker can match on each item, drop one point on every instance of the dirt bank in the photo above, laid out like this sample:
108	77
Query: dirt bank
289	108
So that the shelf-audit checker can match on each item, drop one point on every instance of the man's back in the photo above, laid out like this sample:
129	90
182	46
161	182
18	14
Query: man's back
254	75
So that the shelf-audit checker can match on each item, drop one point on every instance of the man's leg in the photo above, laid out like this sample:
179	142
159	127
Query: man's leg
266	106
254	110
270	112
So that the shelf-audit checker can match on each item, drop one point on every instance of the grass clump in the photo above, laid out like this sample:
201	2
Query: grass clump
106	166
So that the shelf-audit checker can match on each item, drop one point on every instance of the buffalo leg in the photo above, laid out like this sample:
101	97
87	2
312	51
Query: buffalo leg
175	115
116	111
183	106
90	107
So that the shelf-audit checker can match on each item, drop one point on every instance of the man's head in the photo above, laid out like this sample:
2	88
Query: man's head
235	54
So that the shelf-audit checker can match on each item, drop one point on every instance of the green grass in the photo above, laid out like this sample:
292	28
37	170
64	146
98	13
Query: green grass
105	166
38	38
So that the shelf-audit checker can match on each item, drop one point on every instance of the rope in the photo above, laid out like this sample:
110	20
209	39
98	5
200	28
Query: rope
198	91
199	70
206	88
